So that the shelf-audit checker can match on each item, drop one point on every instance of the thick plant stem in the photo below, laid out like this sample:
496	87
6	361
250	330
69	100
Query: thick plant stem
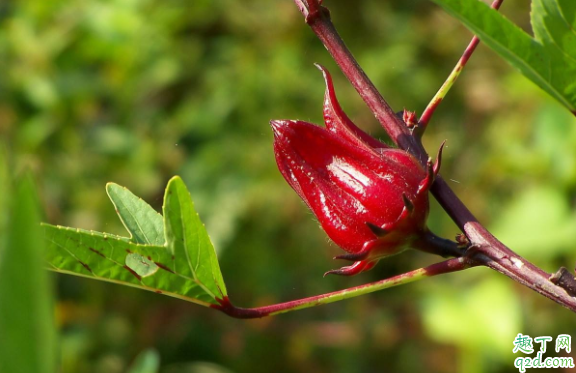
485	249
320	23
447	266
454	74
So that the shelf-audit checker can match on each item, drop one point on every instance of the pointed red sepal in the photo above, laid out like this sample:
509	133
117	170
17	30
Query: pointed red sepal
407	203
354	269
432	171
378	231
338	122
353	257
438	162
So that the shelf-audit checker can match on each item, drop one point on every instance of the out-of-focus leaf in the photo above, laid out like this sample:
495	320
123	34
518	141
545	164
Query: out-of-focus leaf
28	336
146	362
186	267
553	146
483	319
547	60
144	224
537	224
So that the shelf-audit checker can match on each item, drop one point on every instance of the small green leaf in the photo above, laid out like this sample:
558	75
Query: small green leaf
548	60
186	237
144	224
28	335
184	267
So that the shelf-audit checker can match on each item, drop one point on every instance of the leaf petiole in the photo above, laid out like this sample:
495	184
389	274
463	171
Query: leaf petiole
447	266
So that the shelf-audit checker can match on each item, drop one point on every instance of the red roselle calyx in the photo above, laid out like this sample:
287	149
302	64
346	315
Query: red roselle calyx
371	199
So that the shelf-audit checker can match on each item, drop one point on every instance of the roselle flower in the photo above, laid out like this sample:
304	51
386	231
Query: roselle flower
371	199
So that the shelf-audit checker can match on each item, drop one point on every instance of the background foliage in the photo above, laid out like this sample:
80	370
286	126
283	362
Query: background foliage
137	91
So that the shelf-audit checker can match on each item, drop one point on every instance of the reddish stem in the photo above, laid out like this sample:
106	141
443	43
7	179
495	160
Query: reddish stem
324	29
485	248
447	266
433	105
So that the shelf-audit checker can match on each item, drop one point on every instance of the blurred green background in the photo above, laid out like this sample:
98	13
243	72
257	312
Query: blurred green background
136	91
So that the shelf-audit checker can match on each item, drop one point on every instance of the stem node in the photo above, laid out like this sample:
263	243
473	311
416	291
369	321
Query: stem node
565	280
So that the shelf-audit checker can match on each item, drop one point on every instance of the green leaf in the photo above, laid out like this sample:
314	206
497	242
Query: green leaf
537	223
452	313
109	258
548	60
28	337
186	267
186	237
554	23
144	224
147	361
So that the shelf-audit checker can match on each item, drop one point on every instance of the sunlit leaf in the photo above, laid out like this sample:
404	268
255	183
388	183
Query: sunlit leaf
186	237
144	224
110	258
186	267
554	24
